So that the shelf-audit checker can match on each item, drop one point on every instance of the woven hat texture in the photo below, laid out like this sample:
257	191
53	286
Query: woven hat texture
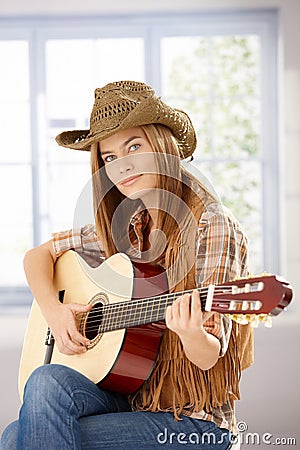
126	104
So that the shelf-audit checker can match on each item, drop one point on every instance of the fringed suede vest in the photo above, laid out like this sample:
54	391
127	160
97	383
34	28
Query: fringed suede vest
176	384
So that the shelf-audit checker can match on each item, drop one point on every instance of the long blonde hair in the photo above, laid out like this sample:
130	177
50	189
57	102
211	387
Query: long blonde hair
175	383
174	184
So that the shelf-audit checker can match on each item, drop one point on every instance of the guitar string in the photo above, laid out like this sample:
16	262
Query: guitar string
111	326
124	313
128	315
154	300
143	302
127	310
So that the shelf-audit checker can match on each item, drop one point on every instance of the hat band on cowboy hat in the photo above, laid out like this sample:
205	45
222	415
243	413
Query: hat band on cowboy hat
127	104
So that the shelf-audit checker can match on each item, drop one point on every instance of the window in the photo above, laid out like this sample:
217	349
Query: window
15	159
69	97
217	79
221	68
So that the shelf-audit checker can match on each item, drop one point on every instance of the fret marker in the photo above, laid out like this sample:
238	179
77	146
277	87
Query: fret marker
209	297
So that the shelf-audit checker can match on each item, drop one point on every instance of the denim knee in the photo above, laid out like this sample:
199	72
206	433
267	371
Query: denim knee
43	380
9	437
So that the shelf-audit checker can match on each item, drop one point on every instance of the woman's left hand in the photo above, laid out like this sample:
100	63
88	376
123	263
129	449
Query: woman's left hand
185	316
186	319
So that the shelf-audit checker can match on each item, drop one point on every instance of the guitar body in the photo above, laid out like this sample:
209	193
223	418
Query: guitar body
118	360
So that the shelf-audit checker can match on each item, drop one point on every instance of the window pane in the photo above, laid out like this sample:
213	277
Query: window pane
236	64
67	183
235	127
219	77
14	102
70	87
119	59
69	77
216	79
239	186
185	66
75	67
16	222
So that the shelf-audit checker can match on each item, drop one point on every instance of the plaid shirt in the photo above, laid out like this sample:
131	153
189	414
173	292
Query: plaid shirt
221	256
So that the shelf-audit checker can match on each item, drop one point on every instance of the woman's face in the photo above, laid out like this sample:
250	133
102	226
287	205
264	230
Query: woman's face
130	162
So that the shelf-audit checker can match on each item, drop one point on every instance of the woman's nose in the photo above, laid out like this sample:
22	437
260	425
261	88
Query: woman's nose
125	164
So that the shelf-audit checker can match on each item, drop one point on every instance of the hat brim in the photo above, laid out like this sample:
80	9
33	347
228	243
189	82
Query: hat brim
149	111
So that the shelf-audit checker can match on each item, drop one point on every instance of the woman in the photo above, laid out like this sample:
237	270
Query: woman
149	207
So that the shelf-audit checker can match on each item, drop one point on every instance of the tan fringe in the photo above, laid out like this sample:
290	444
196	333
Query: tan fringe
176	384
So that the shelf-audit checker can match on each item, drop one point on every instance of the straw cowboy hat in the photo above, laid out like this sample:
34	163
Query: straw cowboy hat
127	104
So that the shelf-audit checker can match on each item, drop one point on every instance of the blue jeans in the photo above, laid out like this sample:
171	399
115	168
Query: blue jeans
63	410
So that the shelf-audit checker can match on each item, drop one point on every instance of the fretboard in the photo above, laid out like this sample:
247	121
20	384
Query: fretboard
139	312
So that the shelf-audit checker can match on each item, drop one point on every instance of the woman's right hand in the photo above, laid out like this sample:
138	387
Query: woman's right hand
39	268
61	319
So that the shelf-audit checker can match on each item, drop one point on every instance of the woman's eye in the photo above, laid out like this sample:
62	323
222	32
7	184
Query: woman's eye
134	147
109	158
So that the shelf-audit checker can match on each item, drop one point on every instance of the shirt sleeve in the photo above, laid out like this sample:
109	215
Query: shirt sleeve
222	255
83	240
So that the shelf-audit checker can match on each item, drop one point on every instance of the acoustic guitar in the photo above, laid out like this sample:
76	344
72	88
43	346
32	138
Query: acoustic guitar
126	322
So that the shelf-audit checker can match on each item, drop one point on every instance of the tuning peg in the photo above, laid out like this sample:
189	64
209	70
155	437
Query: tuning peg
266	274
239	318
266	320
254	321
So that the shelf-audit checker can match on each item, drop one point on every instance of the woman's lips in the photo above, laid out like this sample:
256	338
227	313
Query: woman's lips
130	180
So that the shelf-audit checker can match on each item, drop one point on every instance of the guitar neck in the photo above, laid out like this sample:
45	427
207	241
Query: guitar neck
259	296
139	312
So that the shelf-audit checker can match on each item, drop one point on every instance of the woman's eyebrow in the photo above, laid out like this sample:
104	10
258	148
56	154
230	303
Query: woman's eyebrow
129	140
123	145
105	153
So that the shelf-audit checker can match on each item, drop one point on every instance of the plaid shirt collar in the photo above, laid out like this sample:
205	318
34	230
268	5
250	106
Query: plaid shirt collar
140	215
138	223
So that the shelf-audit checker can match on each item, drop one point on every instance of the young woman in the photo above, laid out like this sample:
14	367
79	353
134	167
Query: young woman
149	207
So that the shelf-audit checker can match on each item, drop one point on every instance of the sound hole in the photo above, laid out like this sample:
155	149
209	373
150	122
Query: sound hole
94	321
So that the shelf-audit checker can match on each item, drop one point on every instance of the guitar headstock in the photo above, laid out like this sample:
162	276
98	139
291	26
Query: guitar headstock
252	300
